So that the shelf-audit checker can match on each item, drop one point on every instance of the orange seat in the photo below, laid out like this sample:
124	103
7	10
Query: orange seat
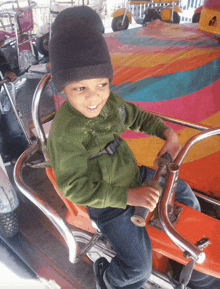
76	215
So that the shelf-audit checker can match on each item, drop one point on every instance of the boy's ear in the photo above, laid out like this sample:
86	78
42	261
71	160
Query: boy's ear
62	91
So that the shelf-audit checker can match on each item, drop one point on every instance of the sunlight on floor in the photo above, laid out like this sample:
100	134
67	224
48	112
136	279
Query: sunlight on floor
11	280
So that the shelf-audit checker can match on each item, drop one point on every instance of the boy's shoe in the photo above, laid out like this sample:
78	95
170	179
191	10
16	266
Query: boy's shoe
99	268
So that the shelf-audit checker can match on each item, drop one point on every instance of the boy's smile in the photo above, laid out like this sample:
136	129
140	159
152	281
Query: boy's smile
88	96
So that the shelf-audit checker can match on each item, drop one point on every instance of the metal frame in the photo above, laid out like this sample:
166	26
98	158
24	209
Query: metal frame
197	254
43	206
12	14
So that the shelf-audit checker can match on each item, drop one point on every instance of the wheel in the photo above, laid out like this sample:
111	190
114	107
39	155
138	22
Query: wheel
42	44
196	17
176	18
9	224
199	280
150	15
117	23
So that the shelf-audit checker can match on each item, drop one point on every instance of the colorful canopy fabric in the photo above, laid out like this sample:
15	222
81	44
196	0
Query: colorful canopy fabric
173	70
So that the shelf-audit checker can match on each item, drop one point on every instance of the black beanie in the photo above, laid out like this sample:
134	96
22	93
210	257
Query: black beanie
73	16
78	52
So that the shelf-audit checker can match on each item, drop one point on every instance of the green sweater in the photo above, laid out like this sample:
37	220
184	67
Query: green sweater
102	181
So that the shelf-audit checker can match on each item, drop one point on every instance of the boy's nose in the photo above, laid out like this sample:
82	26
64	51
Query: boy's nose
92	94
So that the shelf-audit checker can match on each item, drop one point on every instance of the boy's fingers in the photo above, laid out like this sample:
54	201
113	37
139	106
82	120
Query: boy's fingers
151	198
152	191
150	206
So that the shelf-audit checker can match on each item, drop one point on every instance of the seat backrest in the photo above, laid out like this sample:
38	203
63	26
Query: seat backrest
73	209
77	215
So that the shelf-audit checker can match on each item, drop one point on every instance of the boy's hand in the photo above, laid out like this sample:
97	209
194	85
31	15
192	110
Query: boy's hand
147	197
172	145
11	75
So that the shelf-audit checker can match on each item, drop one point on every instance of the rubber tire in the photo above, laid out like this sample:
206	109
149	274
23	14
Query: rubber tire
9	224
196	17
201	281
42	44
176	18
116	23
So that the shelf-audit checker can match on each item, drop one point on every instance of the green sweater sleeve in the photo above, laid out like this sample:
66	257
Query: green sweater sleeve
69	162
140	121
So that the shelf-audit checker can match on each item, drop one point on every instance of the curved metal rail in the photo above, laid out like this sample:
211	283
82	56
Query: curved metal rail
43	206
35	110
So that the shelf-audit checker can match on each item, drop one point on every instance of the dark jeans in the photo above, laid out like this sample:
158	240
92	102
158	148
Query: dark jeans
132	265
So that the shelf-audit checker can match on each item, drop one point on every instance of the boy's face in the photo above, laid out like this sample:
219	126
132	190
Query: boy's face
88	96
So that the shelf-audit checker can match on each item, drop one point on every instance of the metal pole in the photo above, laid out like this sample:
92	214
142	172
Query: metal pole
186	123
36	115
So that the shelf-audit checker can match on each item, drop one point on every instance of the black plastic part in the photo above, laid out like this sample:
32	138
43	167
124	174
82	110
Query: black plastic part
42	44
176	18
12	139
196	17
117	23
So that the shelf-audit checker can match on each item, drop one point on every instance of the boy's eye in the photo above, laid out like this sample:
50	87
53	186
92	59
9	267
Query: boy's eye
102	85
80	88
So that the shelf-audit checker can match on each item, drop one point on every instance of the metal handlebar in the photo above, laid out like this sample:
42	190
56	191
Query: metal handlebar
196	253
141	213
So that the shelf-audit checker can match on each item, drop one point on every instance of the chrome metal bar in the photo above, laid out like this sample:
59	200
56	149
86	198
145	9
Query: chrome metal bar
36	115
159	280
208	199
90	244
29	41
83	237
197	254
17	41
193	140
172	11
125	13
180	121
43	206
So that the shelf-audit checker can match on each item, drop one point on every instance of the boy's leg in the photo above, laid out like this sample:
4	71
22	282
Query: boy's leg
184	193
132	265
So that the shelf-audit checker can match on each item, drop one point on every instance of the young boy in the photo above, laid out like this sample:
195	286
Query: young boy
109	185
